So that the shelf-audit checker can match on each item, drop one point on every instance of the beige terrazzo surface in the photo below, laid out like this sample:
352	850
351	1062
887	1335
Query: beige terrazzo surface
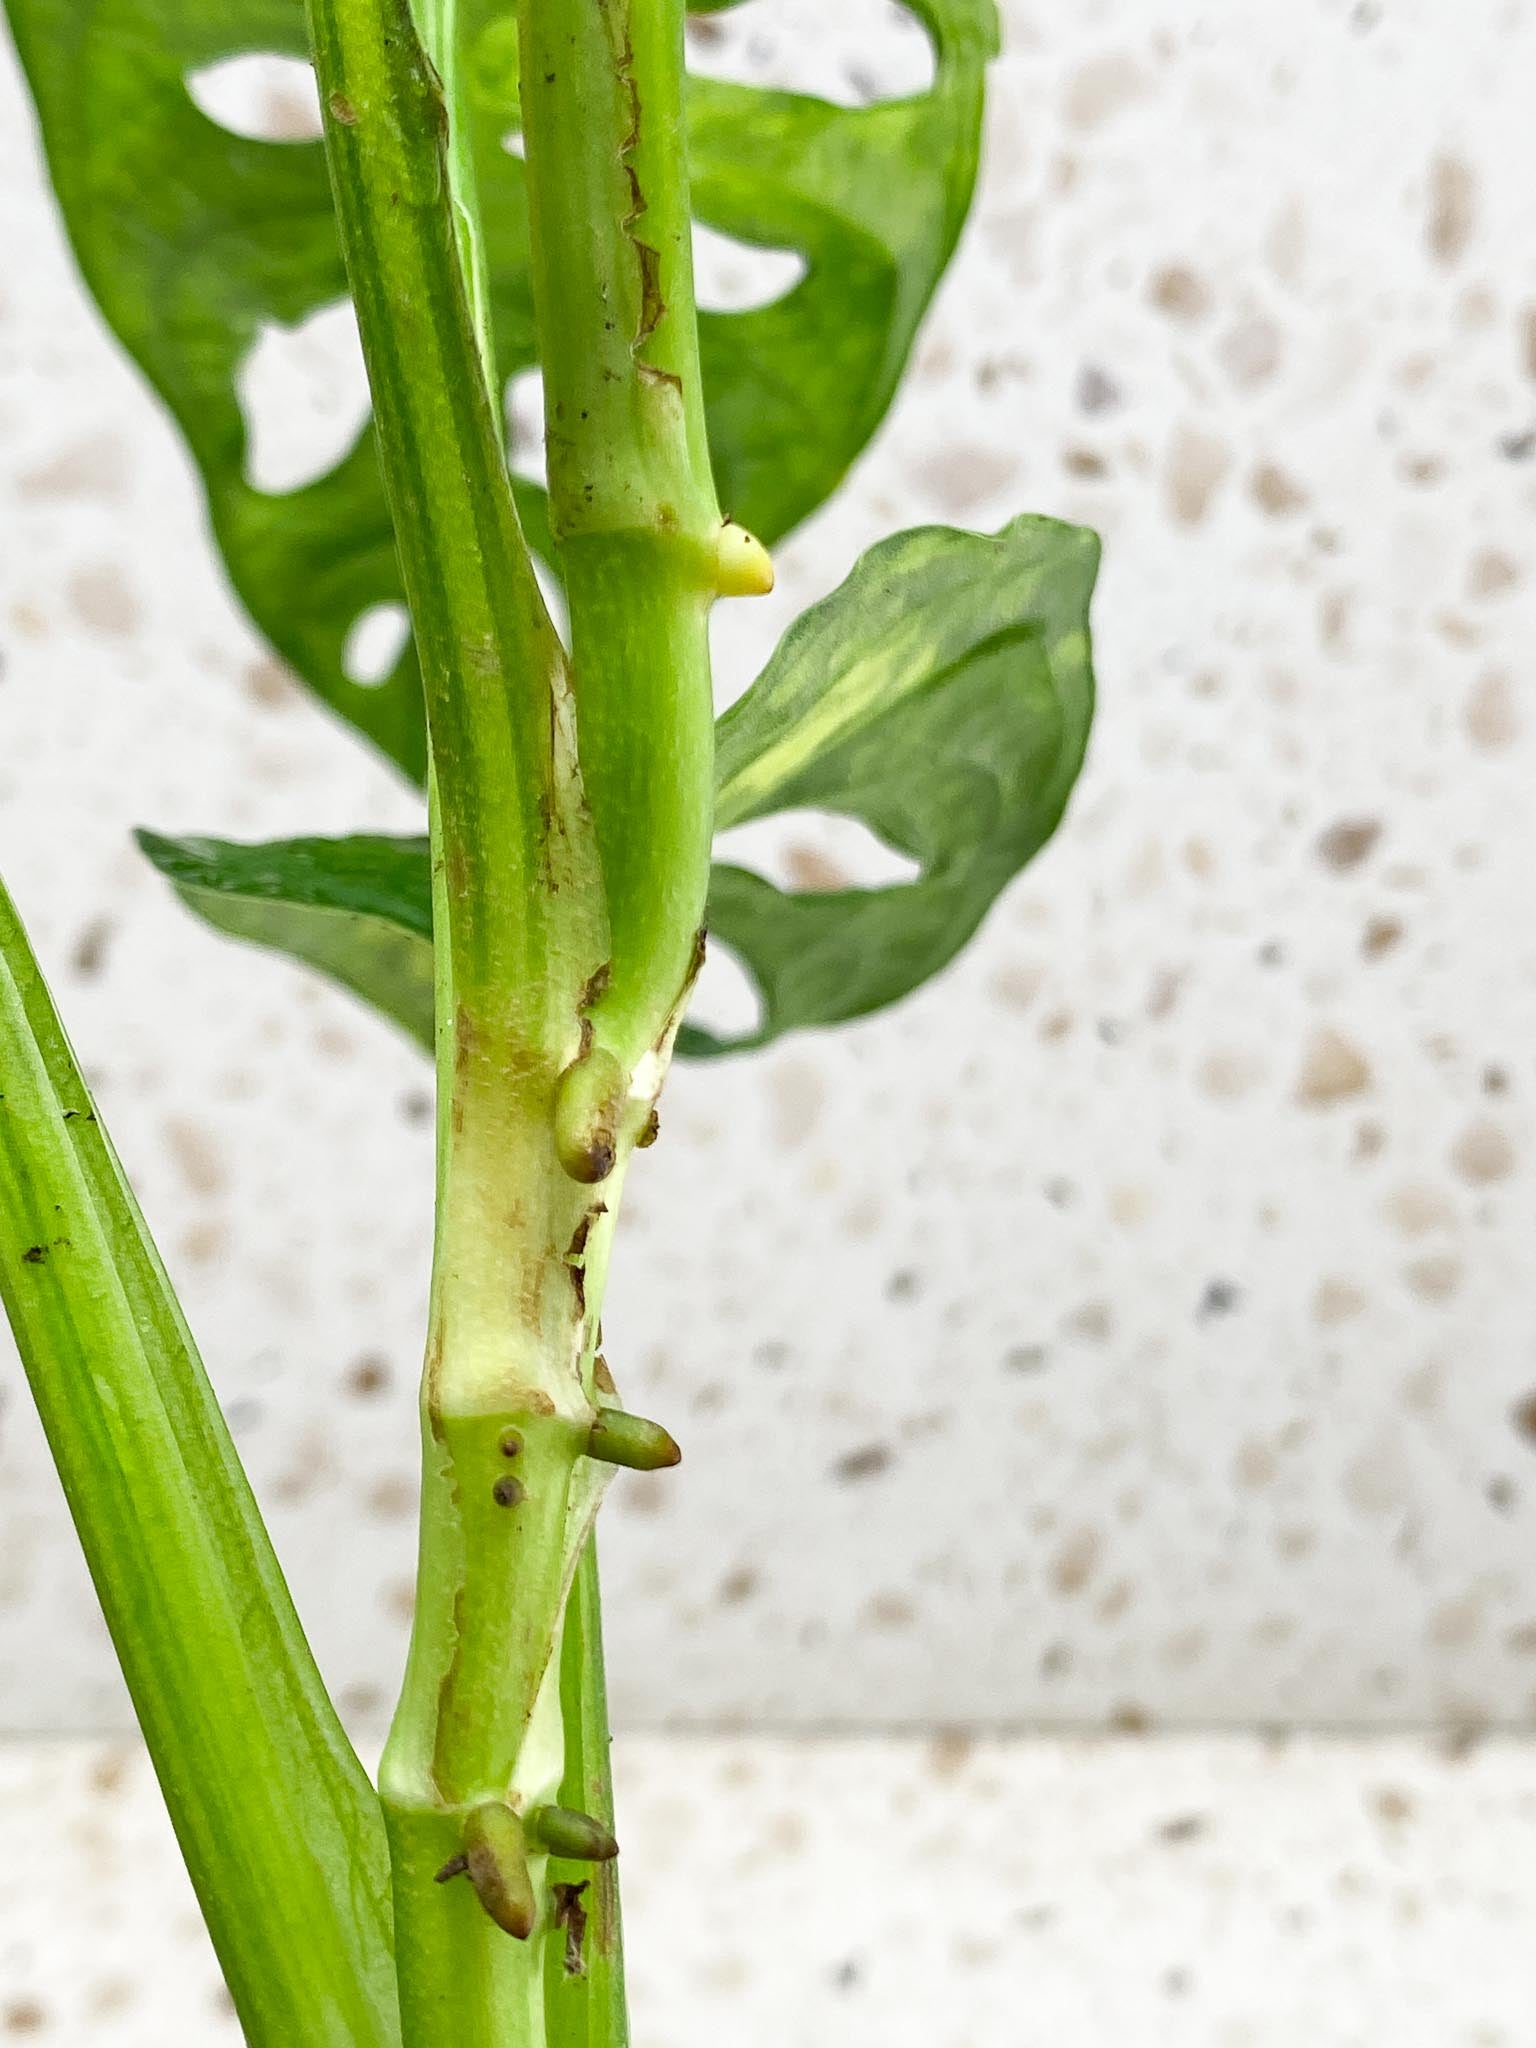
1216	1893
1141	1320
1137	1328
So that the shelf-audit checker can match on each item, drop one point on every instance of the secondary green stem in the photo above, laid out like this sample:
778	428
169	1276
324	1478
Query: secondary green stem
438	21
643	550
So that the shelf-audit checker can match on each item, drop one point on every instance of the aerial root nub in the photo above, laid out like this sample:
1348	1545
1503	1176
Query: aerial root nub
578	1837
590	1100
743	566
618	1438
496	1858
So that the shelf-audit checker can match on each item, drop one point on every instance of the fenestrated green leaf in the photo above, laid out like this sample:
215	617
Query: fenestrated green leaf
358	909
943	696
874	199
195	241
278	1825
192	240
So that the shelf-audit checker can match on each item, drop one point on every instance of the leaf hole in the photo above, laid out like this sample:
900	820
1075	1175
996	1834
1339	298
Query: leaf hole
726	999
375	642
855	53
524	406
735	277
553	593
811	852
264	97
304	394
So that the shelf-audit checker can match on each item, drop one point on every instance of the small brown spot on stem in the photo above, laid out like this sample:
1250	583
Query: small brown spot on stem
571	1914
652	305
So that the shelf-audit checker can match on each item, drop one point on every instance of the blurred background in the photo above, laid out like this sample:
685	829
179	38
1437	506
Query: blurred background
1099	1599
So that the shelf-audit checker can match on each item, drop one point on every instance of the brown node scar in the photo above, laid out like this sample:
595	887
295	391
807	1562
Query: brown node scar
571	1914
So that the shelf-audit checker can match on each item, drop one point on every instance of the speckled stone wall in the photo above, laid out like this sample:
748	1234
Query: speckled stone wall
1140	1324
1249	1893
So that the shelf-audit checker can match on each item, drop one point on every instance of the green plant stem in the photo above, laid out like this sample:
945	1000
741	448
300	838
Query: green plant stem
520	937
642	548
553	1023
439	24
585	2007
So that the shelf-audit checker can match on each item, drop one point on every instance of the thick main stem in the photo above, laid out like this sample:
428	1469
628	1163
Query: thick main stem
520	930
565	937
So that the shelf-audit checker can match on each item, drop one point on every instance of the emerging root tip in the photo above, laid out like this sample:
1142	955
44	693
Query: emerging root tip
589	1105
619	1438
743	566
496	1857
578	1837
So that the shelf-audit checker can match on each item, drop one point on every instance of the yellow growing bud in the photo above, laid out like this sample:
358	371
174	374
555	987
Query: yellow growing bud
743	566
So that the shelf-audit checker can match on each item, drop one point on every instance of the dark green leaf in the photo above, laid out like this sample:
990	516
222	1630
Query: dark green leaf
943	696
359	909
874	199
194	241
280	1829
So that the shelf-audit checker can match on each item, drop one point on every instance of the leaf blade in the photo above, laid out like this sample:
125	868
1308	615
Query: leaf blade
358	910
278	1824
943	696
196	242
873	199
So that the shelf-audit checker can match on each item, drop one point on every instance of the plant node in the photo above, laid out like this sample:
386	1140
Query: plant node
496	1858
743	566
578	1837
618	1438
590	1099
